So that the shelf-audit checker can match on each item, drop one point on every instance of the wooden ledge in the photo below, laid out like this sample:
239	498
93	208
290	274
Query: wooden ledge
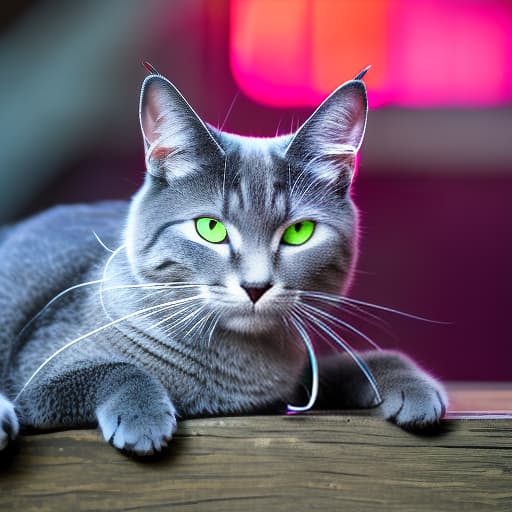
303	462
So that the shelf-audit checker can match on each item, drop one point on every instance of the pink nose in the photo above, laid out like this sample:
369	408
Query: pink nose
255	292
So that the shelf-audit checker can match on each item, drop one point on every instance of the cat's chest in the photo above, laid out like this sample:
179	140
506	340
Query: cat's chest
221	379
221	390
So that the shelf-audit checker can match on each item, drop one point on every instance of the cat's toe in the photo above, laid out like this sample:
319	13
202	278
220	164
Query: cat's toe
417	406
144	436
9	425
141	432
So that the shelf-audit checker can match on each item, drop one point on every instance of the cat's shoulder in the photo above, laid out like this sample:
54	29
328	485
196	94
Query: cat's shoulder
63	236
81	223
80	216
48	252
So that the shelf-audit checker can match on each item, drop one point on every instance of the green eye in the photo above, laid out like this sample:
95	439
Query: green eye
298	233
211	230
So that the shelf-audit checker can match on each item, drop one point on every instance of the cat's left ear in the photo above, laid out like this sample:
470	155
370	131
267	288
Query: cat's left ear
176	140
328	142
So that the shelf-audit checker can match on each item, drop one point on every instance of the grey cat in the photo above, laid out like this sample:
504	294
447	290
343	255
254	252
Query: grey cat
200	295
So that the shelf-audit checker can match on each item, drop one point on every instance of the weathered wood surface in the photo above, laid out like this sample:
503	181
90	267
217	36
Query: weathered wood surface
304	462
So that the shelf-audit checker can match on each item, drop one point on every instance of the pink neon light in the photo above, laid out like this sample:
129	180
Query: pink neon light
424	52
266	67
451	54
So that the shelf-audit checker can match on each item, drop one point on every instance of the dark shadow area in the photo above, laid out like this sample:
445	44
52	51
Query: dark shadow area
9	456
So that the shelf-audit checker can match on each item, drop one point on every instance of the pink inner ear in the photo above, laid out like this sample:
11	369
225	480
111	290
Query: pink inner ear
151	111
149	124
356	131
161	153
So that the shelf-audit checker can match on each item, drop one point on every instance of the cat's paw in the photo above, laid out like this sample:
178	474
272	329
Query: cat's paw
411	398
9	426
416	403
139	428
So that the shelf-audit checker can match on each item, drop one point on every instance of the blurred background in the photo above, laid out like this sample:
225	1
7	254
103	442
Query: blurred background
435	177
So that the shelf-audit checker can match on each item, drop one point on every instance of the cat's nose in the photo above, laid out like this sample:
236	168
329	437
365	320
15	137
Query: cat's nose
256	291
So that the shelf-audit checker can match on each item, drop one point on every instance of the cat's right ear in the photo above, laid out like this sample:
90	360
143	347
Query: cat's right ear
328	142
176	140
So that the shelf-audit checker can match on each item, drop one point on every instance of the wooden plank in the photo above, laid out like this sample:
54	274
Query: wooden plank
302	462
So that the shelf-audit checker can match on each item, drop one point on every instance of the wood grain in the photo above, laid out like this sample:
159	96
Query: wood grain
303	462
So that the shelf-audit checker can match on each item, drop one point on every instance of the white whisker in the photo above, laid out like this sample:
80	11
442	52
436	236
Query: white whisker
187	319
100	241
216	321
105	270
316	322
337	299
153	286
351	309
224	177
180	311
199	322
82	337
314	366
346	325
181	301
57	297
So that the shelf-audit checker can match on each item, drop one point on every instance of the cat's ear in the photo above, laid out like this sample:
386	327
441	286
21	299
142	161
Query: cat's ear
176	140
328	142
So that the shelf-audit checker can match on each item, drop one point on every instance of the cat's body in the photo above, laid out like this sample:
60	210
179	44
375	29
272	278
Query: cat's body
170	323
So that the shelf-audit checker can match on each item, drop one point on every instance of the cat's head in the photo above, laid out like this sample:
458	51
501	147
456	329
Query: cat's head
254	221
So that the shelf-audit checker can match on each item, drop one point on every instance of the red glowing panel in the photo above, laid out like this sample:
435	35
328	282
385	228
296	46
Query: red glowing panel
291	52
423	52
345	37
267	45
451	53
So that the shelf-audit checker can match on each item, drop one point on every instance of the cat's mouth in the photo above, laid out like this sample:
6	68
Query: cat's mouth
253	318
239	312
250	324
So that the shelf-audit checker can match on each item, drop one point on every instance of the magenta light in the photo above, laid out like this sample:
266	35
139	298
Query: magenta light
425	53
450	54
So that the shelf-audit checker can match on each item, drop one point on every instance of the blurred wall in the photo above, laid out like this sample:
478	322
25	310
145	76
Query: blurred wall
433	184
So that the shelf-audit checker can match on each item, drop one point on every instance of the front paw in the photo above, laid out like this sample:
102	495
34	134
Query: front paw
415	408
137	426
9	426
415	401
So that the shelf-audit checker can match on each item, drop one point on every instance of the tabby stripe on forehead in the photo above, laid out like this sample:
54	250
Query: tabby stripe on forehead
165	264
280	196
156	235
240	193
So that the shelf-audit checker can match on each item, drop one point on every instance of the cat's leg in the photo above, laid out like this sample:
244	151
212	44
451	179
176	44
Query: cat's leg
9	426
134	411
410	397
132	408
